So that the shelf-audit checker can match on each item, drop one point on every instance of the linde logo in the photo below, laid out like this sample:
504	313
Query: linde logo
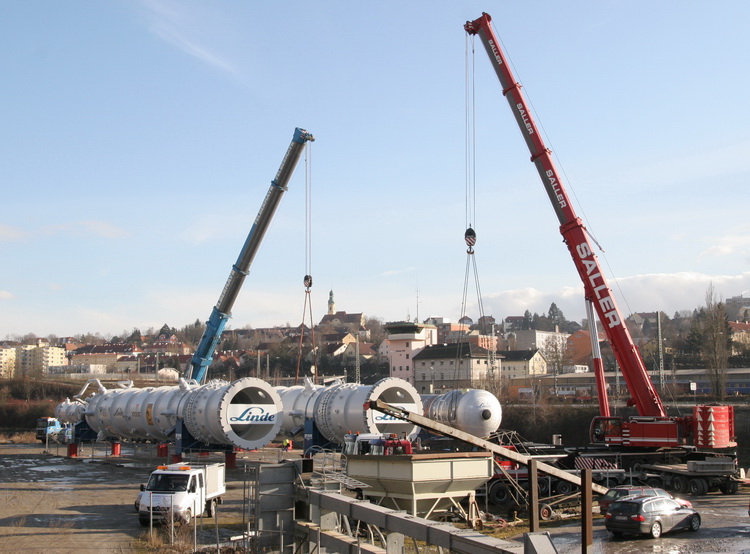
239	413
599	286
385	418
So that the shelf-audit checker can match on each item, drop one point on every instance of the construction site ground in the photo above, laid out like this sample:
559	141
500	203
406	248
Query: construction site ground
53	503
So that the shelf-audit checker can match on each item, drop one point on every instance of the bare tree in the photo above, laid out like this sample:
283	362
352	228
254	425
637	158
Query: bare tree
555	350
716	341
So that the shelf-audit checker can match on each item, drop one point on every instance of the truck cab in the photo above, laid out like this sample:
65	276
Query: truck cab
181	492
47	427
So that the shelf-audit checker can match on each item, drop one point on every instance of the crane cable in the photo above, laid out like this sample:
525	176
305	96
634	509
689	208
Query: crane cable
470	236
308	280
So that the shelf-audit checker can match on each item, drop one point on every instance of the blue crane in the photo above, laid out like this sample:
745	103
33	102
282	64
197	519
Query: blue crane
204	354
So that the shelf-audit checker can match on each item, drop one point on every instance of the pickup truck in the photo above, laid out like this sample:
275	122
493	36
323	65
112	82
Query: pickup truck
181	492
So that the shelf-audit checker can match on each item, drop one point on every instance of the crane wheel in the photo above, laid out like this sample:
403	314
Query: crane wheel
679	484
698	486
730	487
654	482
500	494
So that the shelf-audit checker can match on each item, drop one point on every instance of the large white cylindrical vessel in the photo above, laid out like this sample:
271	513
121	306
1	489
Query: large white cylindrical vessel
474	411
70	412
340	409
136	414
246	413
299	405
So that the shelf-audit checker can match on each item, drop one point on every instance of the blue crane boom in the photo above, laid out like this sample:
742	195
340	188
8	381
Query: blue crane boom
204	354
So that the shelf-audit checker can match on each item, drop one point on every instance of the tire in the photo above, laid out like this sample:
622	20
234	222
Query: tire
654	482
617	534
499	494
546	513
695	523
611	482
563	487
655	530
730	487
698	486
543	486
210	505
679	484
143	521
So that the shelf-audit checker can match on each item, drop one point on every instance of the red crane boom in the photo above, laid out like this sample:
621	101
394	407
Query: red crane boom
596	290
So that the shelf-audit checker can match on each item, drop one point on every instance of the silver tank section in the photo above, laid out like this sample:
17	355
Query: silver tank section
70	411
339	408
299	404
474	411
245	413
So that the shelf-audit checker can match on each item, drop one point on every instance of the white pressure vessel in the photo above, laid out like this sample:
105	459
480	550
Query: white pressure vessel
474	411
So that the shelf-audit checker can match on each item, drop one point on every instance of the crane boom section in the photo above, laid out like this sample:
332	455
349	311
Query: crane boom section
574	233
221	313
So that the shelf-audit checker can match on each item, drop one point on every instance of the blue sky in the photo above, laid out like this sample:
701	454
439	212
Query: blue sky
139	139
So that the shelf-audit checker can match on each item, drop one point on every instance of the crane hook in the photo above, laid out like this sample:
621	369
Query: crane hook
471	239
308	281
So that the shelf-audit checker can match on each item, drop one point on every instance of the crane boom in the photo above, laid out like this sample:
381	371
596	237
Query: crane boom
596	289
204	353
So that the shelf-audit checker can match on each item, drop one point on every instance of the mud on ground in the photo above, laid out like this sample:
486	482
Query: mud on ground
52	503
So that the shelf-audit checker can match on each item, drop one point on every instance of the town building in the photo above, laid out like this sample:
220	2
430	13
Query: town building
106	354
7	362
403	341
34	359
443	367
520	364
529	339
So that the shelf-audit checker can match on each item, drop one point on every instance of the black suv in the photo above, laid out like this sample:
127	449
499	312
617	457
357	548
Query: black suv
649	515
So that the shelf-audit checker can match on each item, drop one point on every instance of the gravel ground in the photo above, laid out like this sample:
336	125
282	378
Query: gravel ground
51	503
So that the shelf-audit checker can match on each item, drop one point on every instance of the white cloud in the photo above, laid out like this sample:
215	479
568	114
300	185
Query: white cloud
727	245
6	295
9	233
179	25
667	292
102	229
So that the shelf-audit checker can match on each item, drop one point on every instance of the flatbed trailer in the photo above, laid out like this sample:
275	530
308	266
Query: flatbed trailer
696	477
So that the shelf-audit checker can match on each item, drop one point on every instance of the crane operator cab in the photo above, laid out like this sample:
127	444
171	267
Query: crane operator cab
603	428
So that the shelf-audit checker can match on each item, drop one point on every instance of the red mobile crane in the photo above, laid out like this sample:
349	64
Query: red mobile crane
710	427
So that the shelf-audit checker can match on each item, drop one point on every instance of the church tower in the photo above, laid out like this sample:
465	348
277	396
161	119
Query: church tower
331	304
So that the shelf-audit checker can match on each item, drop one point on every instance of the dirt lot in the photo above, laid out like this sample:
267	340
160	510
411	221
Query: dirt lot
51	503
